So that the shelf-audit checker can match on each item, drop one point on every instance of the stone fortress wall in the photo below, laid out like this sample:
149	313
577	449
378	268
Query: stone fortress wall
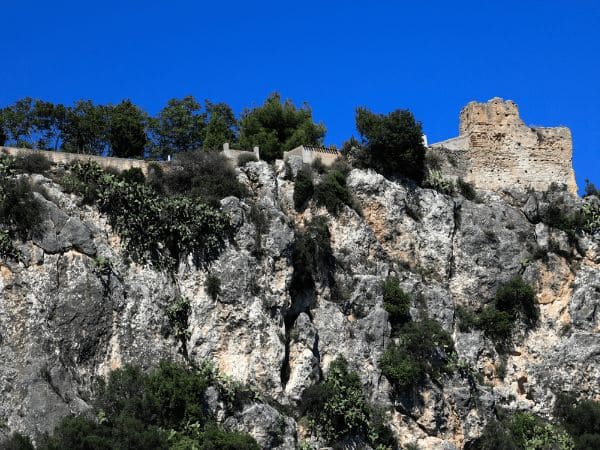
495	150
109	162
64	158
309	154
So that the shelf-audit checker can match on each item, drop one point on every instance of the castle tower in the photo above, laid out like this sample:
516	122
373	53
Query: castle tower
495	150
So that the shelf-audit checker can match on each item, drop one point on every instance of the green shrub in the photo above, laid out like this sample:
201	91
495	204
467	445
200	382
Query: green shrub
178	314
396	302
496	324
332	192
7	247
466	319
531	432
318	166
16	441
559	216
495	437
582	420
303	188
522	431
436	181
213	286
19	210
467	190
245	158
206	175
133	175
215	438
33	163
261	222
312	256
336	407
590	218
423	348
514	300
591	189
517	298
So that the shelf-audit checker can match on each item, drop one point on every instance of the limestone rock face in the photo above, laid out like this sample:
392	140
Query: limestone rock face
496	150
67	320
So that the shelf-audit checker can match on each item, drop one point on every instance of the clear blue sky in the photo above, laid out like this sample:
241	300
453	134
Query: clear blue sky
431	57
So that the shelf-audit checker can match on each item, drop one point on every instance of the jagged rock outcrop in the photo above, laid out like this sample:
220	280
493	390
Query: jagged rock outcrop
75	309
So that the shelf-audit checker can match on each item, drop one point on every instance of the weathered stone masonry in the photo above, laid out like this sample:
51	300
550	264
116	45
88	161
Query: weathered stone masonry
495	150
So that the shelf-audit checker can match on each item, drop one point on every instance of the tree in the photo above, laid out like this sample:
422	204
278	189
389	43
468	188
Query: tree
278	126
85	128
3	127
179	127
127	131
48	120
220	127
392	143
18	121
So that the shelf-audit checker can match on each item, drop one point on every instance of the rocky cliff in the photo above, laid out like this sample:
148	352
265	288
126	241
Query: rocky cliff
74	309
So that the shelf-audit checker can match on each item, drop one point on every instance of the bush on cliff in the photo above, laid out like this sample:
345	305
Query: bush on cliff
312	256
162	409
33	163
155	229
522	431
396	302
424	348
336	408
514	300
19	210
332	192
303	188
581	419
206	176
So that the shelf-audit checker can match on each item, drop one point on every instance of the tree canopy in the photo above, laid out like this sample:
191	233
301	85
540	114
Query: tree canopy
178	127
85	128
278	126
391	144
127	130
221	125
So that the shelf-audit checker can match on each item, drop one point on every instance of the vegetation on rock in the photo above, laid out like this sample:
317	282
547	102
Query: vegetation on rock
423	348
396	302
303	188
19	210
336	408
514	300
162	409
154	228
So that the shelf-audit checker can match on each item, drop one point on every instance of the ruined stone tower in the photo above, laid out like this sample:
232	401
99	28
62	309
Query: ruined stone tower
495	150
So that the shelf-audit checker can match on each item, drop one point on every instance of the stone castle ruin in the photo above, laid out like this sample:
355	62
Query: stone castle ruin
495	150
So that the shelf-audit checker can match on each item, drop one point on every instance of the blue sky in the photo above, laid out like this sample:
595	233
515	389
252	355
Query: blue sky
431	57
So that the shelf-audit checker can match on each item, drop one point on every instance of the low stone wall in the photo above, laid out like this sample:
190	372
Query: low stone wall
235	155
310	154
64	158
